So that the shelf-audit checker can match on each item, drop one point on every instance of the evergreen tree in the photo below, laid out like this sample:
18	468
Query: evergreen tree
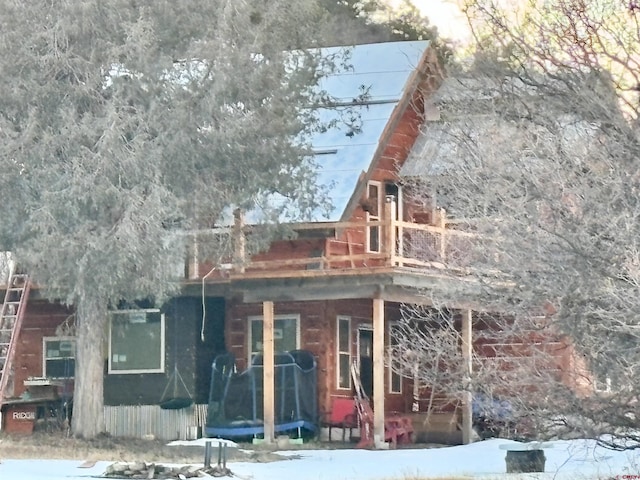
125	123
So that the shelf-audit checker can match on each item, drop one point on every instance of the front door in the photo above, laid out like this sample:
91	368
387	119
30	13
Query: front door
365	358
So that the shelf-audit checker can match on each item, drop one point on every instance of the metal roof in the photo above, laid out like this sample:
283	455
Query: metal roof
363	92
382	70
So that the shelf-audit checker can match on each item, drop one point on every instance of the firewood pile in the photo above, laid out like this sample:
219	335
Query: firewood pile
154	470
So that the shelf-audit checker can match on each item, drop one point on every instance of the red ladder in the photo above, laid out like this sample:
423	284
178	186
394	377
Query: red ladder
13	307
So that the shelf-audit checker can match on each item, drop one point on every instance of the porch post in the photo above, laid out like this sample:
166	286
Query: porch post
467	403
268	402
378	372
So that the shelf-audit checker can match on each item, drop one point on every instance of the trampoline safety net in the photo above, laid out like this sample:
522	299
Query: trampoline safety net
235	399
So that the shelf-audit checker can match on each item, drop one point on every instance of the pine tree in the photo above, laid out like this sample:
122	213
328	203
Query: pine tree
125	123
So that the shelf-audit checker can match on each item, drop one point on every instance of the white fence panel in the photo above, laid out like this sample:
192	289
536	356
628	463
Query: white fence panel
139	421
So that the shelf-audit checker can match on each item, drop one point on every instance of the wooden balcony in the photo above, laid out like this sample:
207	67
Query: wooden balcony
346	248
329	250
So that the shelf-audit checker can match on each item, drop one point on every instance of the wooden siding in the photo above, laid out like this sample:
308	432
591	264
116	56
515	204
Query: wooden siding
183	323
41	320
318	335
306	249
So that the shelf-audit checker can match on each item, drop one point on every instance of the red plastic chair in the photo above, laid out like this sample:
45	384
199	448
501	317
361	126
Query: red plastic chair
342	415
398	429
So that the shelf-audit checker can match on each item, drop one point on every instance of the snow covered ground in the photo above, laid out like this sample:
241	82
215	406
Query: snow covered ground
577	459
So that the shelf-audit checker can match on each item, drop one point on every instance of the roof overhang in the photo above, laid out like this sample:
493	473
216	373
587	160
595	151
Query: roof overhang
400	285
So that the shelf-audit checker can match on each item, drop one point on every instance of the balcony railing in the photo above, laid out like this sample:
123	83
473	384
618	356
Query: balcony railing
348	248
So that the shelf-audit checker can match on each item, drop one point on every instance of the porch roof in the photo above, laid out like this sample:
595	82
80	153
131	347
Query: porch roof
394	284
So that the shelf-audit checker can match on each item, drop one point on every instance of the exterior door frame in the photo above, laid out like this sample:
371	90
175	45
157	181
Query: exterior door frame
365	327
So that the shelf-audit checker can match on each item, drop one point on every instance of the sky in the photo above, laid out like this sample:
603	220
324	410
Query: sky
565	460
446	15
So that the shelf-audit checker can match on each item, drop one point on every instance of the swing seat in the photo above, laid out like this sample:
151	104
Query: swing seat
176	403
178	397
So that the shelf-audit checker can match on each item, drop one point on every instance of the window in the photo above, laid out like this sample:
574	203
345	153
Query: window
136	341
59	358
374	200
395	379
286	334
343	354
376	193
608	371
393	190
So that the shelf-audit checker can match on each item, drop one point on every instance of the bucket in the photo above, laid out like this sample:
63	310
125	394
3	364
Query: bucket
193	432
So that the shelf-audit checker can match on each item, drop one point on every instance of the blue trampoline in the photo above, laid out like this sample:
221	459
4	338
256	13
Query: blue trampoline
235	399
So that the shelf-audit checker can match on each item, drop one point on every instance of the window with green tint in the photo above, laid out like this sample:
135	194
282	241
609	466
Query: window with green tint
136	341
59	357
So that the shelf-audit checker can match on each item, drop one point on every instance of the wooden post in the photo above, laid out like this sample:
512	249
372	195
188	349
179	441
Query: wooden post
390	228
378	372
467	404
239	241
268	366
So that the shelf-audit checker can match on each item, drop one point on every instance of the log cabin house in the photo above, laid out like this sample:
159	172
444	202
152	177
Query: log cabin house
334	289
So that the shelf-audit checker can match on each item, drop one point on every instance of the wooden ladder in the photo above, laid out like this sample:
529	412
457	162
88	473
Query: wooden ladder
363	408
13	307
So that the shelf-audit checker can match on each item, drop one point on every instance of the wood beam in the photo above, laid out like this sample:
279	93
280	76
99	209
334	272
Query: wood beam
291	293
467	403
378	372
268	364
239	241
390	229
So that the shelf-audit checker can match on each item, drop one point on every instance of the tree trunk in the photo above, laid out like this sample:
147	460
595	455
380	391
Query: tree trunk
88	399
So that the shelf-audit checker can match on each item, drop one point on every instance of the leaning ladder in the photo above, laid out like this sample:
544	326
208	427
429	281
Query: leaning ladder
13	307
363	408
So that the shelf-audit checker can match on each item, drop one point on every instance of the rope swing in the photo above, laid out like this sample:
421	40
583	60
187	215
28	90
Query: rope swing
176	395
